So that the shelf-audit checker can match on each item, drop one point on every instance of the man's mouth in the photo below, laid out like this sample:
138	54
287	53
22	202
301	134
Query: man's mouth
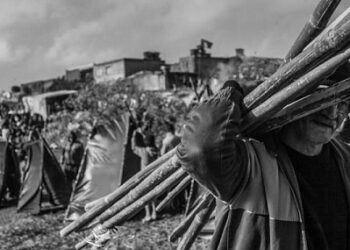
325	122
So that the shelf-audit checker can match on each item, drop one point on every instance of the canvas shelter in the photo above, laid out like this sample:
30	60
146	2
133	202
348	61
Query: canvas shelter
42	103
107	163
42	176
9	170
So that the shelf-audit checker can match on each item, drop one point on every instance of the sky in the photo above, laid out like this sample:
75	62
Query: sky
39	39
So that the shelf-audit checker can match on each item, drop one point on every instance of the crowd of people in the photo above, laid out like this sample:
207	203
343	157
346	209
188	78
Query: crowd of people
20	128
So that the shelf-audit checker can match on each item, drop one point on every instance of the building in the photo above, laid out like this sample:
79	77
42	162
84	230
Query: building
81	73
238	67
38	87
148	81
49	85
202	67
120	69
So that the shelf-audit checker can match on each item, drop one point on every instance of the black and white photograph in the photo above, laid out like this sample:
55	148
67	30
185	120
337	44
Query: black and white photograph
175	125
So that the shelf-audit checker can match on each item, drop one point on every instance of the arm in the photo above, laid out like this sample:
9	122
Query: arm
210	151
164	147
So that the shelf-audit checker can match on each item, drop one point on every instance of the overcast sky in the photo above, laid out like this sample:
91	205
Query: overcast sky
41	38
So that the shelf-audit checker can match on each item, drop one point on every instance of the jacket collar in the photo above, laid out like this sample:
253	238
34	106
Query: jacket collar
275	147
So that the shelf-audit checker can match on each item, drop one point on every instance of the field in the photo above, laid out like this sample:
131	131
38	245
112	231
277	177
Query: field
20	231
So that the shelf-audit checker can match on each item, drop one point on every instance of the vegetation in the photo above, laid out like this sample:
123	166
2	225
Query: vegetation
100	103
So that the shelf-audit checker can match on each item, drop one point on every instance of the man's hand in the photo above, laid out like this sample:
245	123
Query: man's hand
208	148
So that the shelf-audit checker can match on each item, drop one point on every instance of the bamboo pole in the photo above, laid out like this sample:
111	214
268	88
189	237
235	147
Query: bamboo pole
147	185
312	103
135	207
116	195
190	196
185	224
311	79
317	22
196	226
326	46
339	21
173	193
139	204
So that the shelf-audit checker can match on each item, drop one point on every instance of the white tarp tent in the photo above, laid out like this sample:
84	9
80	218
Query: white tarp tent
38	103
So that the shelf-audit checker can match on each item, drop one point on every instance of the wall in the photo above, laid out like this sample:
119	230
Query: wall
109	71
72	75
133	66
185	64
78	74
123	68
148	81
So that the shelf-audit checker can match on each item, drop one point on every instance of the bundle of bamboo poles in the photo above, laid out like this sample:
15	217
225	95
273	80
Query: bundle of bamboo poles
272	104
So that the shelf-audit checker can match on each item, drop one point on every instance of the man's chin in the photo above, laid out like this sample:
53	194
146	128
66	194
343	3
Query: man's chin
321	134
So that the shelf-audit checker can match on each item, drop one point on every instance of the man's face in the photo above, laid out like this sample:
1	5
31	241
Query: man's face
320	127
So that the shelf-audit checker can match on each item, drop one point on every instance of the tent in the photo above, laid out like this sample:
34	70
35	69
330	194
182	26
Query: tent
107	163
9	170
42	103
42	175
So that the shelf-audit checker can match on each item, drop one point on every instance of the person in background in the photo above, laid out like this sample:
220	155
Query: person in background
5	128
35	126
170	140
72	155
143	145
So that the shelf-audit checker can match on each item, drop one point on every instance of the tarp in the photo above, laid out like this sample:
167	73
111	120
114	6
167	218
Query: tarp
108	162
9	171
38	103
43	171
3	149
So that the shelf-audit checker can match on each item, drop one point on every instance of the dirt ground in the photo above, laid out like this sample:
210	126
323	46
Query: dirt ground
20	231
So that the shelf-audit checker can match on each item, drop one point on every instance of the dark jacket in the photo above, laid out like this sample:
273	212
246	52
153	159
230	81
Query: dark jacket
72	154
147	153
259	204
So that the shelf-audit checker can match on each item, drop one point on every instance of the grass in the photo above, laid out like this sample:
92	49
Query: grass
28	232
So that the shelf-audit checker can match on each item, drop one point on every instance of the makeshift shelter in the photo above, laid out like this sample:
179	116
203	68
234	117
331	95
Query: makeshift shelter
43	104
9	170
43	173
108	162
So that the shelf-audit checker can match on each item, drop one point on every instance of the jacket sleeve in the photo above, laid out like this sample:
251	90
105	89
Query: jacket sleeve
210	151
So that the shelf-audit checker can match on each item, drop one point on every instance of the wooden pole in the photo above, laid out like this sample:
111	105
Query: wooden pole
173	193
196	226
317	22
190	196
110	199
185	224
167	171
139	204
135	207
312	103
276	102
327	46
339	21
